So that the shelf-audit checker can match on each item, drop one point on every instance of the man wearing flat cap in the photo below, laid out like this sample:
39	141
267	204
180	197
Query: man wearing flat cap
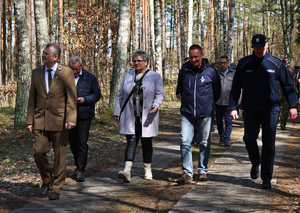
258	74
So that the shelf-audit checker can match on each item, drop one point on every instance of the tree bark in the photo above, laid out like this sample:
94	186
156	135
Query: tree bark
182	31
51	20
152	34
230	30
24	65
41	26
32	33
9	43
201	14
120	60
178	37
163	52
190	25
1	42
157	19
4	70
61	29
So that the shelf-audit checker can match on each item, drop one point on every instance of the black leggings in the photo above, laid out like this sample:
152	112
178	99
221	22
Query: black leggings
132	142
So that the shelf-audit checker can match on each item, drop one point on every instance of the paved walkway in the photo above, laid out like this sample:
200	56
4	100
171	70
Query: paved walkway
229	188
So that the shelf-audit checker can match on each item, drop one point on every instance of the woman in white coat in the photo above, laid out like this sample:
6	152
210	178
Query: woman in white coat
140	117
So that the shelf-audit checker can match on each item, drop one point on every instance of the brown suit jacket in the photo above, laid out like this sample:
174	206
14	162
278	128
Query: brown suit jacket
51	111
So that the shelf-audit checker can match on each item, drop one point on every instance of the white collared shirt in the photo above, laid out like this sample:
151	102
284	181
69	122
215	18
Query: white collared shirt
77	77
52	74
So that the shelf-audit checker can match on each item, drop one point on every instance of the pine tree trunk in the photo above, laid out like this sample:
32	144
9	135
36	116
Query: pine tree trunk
163	53
24	65
178	37
51	20
32	33
245	30
190	25
182	32
221	32
0	43
210	26
201	22
157	19
9	42
4	70
230	30
152	34
41	26
120	60
61	29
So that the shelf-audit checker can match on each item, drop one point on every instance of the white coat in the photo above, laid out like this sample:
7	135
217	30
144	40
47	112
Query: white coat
153	94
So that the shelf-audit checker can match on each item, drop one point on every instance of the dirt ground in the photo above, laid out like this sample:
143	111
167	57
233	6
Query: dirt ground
19	178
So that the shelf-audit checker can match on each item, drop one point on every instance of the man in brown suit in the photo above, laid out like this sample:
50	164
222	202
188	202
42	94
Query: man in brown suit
51	113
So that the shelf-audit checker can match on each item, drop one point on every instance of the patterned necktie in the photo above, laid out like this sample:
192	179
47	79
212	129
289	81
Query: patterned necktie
49	77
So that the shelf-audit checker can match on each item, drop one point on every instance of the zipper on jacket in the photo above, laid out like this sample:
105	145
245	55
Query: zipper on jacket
195	89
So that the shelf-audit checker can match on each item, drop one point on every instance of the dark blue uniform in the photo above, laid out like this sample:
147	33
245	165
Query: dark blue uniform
261	104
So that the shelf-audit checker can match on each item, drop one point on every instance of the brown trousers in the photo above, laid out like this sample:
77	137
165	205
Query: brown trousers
54	177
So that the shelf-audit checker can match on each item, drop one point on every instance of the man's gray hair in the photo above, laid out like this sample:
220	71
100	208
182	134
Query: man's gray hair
142	53
75	59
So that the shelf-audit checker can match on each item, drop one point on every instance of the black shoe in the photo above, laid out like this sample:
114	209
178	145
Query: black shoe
266	185
80	176
283	128
54	196
254	172
44	189
226	143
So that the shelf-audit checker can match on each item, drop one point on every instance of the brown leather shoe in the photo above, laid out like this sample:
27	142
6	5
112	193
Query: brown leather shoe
54	196
202	177
44	189
185	178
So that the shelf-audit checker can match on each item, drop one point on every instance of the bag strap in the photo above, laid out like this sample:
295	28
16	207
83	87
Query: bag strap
137	85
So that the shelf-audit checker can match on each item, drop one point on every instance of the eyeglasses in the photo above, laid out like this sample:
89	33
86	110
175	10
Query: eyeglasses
223	62
138	61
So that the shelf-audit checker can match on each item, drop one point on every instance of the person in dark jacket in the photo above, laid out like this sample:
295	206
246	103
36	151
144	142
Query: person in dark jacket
88	93
198	88
258	74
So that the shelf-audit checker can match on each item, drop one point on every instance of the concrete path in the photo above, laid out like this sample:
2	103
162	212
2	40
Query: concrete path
229	188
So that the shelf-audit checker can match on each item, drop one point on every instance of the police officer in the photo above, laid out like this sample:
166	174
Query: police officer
257	74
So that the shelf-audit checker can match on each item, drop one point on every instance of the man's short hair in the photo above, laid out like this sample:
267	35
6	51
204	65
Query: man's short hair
75	59
224	56
143	53
56	47
195	47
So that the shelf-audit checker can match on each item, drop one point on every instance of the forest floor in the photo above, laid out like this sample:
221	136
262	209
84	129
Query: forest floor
19	177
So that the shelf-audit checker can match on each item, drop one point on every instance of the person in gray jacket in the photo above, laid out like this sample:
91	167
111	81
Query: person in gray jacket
226	77
140	117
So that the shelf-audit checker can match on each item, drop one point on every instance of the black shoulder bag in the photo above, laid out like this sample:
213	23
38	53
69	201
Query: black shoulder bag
135	87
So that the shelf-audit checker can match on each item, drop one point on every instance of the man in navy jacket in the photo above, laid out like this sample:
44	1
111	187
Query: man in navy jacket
88	93
258	74
199	88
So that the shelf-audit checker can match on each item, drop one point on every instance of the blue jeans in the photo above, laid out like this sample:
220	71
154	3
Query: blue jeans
222	112
187	125
268	122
